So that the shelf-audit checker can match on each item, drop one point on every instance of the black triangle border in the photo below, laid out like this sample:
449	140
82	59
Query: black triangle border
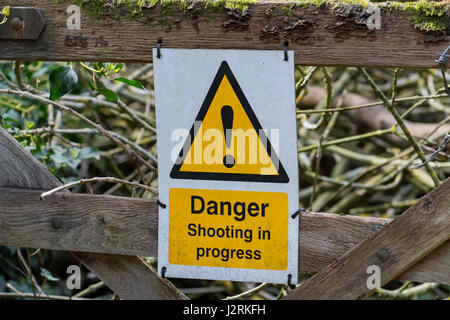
282	177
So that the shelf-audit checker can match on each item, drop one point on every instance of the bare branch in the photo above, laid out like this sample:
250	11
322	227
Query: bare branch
97	179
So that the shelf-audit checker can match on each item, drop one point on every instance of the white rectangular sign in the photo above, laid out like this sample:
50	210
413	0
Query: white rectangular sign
227	162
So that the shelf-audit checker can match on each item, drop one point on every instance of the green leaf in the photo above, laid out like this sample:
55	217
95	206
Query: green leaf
133	83
69	159
5	11
14	117
62	81
48	275
90	153
29	124
60	159
99	66
118	67
109	94
92	85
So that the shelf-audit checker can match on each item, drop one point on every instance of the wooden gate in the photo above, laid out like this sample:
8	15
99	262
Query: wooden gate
100	231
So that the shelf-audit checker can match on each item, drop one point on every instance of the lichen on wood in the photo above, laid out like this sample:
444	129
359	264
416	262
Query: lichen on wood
429	17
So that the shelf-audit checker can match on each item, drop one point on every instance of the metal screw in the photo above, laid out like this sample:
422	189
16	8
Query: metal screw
56	223
16	24
427	204
383	255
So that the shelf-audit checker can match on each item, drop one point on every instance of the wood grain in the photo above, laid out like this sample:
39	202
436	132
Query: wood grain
324	36
405	241
19	168
128	226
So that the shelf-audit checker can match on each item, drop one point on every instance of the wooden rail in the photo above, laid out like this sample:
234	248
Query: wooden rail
104	236
129	226
332	35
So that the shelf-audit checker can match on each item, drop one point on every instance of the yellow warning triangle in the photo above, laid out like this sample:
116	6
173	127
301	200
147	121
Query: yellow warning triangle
226	141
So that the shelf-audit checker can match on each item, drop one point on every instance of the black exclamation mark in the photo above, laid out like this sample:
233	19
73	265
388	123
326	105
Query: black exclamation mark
227	122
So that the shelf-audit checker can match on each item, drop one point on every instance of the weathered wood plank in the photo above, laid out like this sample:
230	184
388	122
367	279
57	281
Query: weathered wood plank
128	226
102	224
394	249
19	168
332	36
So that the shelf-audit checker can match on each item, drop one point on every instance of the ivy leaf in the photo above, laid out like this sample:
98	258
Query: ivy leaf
62	81
5	11
109	94
61	160
48	275
92	85
133	83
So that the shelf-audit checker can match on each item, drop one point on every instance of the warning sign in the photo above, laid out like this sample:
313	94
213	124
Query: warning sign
240	149
227	162
234	229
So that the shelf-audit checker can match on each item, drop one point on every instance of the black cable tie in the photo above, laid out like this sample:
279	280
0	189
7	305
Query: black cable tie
158	48
289	282
162	205
296	213
163	272
286	47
